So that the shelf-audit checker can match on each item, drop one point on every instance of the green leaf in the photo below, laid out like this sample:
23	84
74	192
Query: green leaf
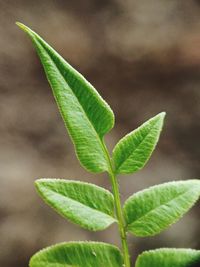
86	115
167	257
133	151
152	210
87	205
78	254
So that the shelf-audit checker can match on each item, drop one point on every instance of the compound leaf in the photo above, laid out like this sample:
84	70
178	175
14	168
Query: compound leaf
167	257
152	210
78	254
133	151
86	115
87	205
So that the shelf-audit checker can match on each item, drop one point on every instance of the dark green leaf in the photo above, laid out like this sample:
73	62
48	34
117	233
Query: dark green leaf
88	205
78	254
86	115
133	151
167	257
152	210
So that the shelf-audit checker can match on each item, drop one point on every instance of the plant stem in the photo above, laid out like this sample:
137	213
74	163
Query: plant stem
120	218
119	213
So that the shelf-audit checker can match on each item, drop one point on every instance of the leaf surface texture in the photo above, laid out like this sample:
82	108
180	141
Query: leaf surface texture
133	151
87	205
86	115
78	254
167	257
152	210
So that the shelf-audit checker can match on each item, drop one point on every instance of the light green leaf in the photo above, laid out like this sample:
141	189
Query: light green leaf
133	151
87	205
86	115
78	254
152	210
167	257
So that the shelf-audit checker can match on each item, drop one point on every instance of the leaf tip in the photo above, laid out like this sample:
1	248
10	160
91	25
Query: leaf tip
38	183
160	118
162	115
24	28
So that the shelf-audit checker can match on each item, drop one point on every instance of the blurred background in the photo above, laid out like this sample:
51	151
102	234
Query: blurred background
143	57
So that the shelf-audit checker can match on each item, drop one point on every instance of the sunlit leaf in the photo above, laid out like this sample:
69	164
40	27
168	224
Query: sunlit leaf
133	151
86	115
78	254
87	205
152	210
167	257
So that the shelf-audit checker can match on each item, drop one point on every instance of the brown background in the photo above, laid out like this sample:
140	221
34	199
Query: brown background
143	57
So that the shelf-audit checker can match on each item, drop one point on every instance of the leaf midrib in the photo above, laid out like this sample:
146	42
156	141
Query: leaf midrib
79	203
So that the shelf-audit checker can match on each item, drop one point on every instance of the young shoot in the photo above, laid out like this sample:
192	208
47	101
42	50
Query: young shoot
88	118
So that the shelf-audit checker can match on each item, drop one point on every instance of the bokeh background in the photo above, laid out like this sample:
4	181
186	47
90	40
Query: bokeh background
143	57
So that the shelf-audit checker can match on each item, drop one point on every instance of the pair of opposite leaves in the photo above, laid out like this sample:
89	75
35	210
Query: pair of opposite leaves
88	118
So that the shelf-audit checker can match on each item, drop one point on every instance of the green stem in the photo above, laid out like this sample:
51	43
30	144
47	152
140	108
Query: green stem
120	218
119	213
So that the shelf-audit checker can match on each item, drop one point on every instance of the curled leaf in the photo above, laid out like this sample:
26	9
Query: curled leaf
86	115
